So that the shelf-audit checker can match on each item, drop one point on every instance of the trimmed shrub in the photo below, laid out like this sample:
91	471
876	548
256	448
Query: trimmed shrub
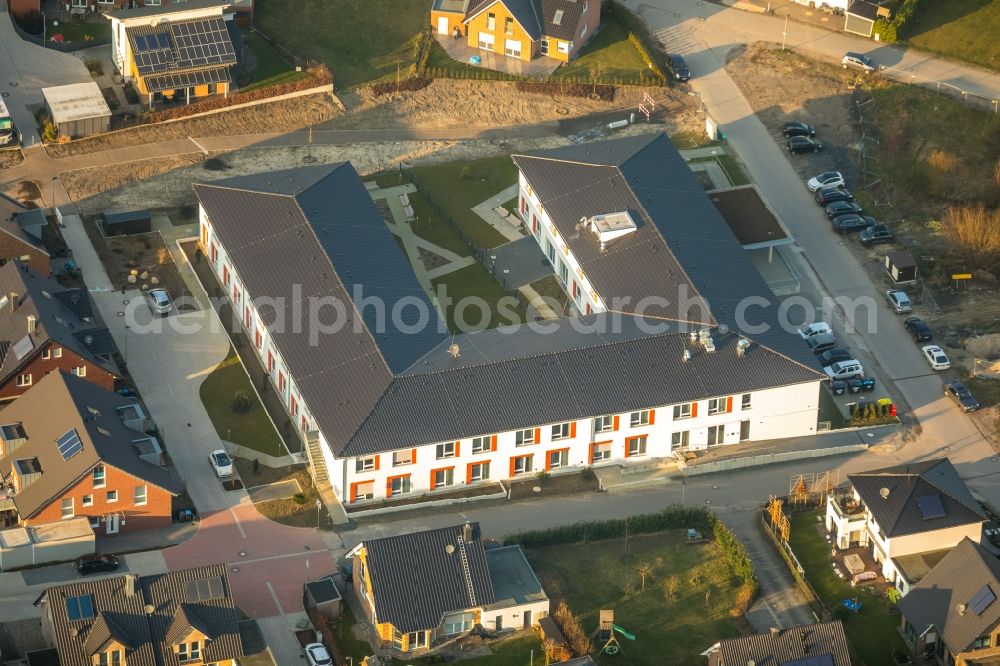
895	28
241	402
406	85
602	91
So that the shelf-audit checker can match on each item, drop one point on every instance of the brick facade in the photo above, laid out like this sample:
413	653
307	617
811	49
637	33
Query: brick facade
12	248
156	512
38	367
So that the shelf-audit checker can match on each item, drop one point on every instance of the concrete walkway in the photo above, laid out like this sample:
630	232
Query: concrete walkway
486	210
538	303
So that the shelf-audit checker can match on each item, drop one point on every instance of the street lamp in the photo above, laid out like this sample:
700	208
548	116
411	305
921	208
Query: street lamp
54	180
784	33
319	507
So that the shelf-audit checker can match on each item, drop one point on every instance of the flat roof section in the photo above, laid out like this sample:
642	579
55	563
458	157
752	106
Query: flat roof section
914	567
514	581
77	101
749	217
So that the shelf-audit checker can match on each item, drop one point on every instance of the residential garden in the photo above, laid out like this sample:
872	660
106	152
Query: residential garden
962	29
872	631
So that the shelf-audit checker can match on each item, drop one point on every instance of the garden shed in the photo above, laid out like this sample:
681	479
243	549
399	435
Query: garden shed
861	17
125	222
901	267
78	109
323	596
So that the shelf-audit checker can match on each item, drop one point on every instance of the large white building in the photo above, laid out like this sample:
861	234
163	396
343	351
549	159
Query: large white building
390	407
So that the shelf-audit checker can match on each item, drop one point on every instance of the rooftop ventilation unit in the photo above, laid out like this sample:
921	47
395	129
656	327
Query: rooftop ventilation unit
742	346
705	338
611	226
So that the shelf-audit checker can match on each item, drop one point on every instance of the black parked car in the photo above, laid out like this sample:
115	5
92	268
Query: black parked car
820	343
876	235
843	208
802	144
795	128
843	224
89	564
828	195
835	355
679	67
920	331
963	396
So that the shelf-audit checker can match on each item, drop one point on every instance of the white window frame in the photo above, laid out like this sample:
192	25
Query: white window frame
364	496
526	463
508	22
491	21
80	371
482	444
601	454
639	443
405	485
583	32
717	406
63	508
364	464
99	476
746	401
543	48
562	47
639	419
509	50
87	500
563	460
684	411
447	476
416	639
720	435
680	438
452	628
23	380
521	439
483	470
561	431
445	450
399	462
112	494
604	424
140	496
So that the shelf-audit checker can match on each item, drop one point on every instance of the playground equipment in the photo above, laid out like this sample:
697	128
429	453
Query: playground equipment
606	633
852	605
694	536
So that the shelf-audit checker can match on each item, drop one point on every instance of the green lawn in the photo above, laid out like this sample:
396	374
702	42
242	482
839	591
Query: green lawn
873	630
439	63
77	31
431	226
269	61
610	52
252	429
475	282
359	40
669	629
962	29
348	645
458	186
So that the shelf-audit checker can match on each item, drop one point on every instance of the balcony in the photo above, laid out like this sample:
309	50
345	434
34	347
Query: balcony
847	507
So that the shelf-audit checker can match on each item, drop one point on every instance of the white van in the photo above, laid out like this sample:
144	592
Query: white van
815	329
845	370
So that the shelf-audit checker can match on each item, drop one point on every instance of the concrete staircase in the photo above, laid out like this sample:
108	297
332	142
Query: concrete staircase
317	464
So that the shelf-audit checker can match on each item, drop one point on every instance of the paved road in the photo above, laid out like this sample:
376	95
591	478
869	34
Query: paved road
25	69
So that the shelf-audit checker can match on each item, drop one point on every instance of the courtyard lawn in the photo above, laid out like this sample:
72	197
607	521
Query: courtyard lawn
685	608
359	40
77	31
458	186
873	631
610	52
253	428
962	29
475	282
269	61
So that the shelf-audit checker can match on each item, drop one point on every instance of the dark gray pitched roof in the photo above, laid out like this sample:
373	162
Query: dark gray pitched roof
567	28
122	616
50	409
415	580
459	397
185	621
682	249
788	646
37	297
868	10
525	12
14	218
900	514
323	590
289	243
941	599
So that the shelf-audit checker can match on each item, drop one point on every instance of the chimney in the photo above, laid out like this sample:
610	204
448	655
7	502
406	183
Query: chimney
686	356
31	324
130	581
775	631
467	532
13	300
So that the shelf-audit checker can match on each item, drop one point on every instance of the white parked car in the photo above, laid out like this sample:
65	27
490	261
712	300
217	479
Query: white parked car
317	655
159	301
828	179
899	301
843	370
221	463
819	328
936	357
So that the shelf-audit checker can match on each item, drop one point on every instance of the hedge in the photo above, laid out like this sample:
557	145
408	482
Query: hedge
318	76
894	28
642	40
672	517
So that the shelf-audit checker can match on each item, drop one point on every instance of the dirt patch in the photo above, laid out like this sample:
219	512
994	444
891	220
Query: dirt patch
430	259
10	158
455	103
83	184
281	116
560	484
263	475
145	253
25	192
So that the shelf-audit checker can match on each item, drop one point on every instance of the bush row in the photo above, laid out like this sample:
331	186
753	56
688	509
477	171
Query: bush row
672	517
640	38
601	91
406	85
894	28
644	54
317	76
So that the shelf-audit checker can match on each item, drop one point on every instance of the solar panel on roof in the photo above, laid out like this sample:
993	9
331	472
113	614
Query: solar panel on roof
204	589
162	40
23	346
982	599
69	444
931	507
80	608
140	43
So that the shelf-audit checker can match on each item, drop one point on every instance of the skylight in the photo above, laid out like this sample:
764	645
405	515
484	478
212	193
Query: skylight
204	589
982	600
80	608
557	19
931	507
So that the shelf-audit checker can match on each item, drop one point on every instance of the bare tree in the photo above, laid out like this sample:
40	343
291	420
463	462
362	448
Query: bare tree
645	569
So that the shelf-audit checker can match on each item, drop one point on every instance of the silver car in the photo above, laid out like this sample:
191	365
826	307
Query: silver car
159	301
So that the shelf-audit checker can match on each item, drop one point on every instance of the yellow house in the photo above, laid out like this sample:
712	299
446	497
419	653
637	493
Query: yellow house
174	52
420	590
522	29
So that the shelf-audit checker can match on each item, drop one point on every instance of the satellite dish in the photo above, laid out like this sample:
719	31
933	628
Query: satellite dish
454	350
961	609
88	340
884	492
149	609
74	632
450	549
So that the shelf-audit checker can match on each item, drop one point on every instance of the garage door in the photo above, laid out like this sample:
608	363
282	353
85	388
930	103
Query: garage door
512	48
486	41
